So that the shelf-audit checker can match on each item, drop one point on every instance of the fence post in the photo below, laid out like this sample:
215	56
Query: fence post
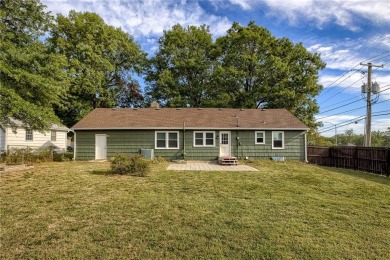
355	158
332	164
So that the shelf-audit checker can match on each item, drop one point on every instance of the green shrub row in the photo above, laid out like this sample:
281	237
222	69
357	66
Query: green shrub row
135	164
29	155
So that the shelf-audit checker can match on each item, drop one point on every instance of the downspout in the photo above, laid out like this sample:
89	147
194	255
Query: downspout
306	147
74	144
184	140
238	143
5	140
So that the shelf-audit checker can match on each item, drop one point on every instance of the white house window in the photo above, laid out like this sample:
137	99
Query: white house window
260	137
53	135
204	139
29	134
277	140
167	140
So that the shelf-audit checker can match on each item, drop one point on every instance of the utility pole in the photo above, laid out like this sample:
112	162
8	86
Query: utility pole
367	140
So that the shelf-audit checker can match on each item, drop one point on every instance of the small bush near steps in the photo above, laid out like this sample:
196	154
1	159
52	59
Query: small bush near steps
135	164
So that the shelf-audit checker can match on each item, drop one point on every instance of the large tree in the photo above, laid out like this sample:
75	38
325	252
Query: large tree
31	78
101	61
180	72
257	69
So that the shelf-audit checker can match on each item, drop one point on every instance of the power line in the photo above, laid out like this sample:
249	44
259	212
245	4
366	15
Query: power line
352	103
338	103
349	122
381	57
330	86
362	117
340	106
343	90
351	110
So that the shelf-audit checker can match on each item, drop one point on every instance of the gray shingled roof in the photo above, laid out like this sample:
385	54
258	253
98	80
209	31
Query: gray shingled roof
192	118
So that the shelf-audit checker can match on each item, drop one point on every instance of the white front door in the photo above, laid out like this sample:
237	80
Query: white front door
224	143
100	147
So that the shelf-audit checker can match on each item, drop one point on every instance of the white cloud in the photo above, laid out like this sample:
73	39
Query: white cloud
144	18
244	4
346	54
345	13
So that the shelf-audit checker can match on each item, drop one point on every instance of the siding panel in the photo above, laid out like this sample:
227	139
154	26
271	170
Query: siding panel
18	138
131	141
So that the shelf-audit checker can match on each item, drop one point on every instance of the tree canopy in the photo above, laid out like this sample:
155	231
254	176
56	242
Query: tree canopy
67	66
180	72
100	62
246	68
31	77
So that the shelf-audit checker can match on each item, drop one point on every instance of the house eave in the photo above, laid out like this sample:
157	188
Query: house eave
190	128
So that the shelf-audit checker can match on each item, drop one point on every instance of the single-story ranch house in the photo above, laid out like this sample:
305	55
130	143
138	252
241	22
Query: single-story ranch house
191	133
19	136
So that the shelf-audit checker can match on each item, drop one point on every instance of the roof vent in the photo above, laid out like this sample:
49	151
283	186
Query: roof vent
155	104
199	108
220	108
179	108
242	109
114	108
135	108
157	108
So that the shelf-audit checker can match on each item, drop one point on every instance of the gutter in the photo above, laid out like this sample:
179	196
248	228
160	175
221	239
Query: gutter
184	140
191	128
306	147
74	144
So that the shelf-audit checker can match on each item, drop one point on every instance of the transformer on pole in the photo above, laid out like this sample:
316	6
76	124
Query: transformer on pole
368	90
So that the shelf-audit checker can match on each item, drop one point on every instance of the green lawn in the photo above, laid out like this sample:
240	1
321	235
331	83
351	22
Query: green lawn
286	210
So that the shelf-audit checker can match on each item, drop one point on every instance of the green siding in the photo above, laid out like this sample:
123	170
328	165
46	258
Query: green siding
131	141
294	145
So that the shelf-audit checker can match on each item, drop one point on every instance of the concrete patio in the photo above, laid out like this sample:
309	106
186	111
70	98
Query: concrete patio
209	166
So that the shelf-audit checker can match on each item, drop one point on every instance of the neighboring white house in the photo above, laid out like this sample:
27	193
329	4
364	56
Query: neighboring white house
22	137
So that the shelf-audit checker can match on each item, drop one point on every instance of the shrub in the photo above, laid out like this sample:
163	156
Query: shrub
135	164
28	155
58	157
159	159
68	156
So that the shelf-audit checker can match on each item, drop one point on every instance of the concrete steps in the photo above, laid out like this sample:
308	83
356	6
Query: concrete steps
227	160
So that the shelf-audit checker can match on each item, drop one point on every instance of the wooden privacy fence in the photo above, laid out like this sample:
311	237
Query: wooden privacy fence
368	159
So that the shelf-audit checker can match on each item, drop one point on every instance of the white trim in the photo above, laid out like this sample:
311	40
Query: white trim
25	135
105	148
166	140
191	128
306	147
282	140
229	142
204	138
55	136
74	146
256	132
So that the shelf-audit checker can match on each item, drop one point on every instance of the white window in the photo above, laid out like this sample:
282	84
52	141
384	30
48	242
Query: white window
29	134
167	140
53	135
277	140
204	139
260	137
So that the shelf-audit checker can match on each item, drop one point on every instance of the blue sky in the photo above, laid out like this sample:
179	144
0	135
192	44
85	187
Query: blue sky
344	32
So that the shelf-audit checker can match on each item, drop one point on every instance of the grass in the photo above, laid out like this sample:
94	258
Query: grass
286	210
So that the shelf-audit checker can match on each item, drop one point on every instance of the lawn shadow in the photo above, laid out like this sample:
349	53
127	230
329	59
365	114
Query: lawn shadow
102	172
110	173
382	179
